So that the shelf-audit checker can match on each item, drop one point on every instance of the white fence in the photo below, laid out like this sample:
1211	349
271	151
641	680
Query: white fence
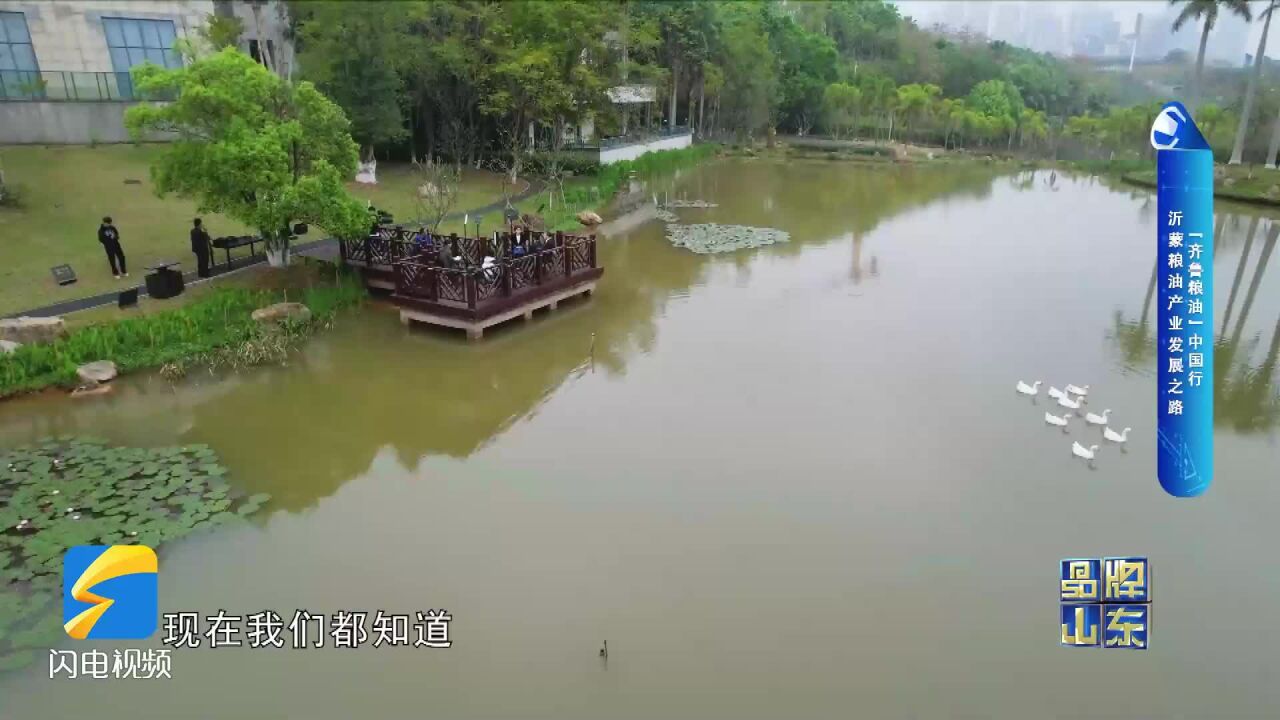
618	153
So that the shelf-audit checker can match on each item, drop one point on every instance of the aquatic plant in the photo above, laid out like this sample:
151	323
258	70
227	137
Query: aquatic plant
216	322
706	238
78	491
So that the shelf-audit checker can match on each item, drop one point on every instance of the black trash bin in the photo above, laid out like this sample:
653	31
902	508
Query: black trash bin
164	281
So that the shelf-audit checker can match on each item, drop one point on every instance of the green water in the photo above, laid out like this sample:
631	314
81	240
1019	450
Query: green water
791	482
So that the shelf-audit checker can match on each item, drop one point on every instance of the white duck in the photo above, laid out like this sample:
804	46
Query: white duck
1081	451
1095	419
1120	438
1061	422
1066	402
1078	390
1056	393
1031	389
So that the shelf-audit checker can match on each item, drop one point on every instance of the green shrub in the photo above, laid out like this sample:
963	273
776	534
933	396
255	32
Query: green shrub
195	331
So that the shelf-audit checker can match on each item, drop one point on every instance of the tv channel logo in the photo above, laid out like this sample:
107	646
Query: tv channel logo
109	592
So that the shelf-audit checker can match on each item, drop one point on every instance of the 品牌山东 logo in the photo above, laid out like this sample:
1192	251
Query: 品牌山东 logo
109	592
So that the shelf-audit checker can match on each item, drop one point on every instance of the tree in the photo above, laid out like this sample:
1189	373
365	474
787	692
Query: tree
840	108
1000	103
353	57
1205	11
220	31
1237	149
806	66
750	94
251	146
916	102
879	95
437	190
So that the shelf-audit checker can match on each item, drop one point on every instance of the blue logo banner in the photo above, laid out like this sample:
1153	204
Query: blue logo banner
1184	260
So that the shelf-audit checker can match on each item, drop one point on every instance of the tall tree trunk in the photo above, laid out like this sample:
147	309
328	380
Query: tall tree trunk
689	99
702	104
675	86
1237	150
263	53
1195	80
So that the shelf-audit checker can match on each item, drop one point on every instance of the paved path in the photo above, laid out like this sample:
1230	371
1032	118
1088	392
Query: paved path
322	249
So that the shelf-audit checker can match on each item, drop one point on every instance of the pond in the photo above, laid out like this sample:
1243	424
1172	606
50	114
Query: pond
794	481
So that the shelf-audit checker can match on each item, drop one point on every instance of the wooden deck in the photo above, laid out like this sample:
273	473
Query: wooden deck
465	296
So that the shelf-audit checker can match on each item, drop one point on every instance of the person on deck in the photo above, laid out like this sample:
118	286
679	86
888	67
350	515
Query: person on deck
109	236
201	246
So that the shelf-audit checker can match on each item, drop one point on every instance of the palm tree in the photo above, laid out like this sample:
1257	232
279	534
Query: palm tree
1207	12
1237	150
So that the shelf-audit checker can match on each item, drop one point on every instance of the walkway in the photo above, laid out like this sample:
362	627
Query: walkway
320	249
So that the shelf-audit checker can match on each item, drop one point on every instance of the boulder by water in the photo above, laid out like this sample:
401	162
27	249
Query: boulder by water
589	219
280	312
8	346
709	238
98	371
91	388
32	329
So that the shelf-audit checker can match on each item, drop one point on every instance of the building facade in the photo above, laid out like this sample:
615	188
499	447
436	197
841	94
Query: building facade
64	66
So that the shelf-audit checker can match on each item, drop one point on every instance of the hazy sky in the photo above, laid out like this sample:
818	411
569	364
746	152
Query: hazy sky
1124	11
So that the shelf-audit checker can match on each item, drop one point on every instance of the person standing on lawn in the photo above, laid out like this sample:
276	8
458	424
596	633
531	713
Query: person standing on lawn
201	246
109	236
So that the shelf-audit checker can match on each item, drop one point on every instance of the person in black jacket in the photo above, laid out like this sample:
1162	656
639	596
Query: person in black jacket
201	247
109	236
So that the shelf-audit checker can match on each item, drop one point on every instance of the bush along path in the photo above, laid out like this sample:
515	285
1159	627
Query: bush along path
215	330
78	491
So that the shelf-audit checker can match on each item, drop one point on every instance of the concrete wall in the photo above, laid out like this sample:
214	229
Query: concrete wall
608	156
63	123
273	18
68	35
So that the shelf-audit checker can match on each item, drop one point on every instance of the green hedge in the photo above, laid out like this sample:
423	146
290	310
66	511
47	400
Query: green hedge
217	320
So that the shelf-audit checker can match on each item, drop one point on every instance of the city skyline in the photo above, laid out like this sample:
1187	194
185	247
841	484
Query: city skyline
1095	29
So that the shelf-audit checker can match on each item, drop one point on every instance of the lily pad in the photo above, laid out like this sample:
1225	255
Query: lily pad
707	238
93	494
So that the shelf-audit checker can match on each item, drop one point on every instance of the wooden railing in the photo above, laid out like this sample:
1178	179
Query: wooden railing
420	276
393	244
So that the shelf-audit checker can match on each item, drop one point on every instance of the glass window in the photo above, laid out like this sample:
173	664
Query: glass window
13	26
19	72
115	35
151	36
166	34
133	42
132	33
24	57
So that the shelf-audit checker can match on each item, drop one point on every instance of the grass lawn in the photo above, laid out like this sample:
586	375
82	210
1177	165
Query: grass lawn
1246	183
294	279
69	189
397	191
